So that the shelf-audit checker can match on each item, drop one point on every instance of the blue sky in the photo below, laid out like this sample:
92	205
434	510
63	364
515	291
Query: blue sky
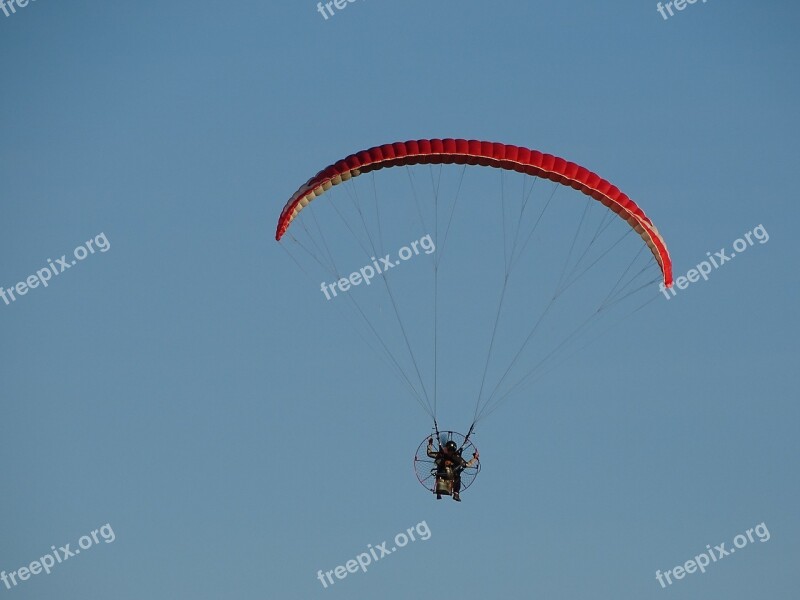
190	388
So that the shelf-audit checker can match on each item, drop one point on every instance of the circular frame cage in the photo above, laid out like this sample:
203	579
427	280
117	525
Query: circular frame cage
425	466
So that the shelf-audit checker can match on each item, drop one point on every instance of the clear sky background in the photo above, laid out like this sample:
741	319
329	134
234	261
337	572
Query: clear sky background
187	387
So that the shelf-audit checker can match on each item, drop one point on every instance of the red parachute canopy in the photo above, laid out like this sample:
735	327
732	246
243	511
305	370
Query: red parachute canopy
487	154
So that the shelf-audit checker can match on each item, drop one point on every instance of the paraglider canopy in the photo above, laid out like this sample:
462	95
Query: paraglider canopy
512	260
474	152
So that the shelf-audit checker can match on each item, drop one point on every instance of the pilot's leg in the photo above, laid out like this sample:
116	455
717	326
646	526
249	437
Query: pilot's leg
457	489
